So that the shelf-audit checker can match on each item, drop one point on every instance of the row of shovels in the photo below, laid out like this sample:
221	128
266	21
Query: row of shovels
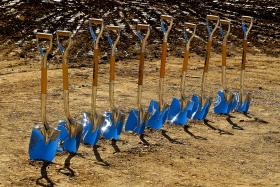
46	141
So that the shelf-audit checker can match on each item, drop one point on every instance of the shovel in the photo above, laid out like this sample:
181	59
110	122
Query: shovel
93	121
71	130
137	118
44	139
157	109
181	110
241	100
224	99
201	103
114	119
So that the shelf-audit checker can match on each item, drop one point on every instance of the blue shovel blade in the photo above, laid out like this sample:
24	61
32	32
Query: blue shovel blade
197	106
201	112
244	107
234	103
221	106
184	116
157	118
140	129
108	129
69	144
90	136
39	149
174	109
132	123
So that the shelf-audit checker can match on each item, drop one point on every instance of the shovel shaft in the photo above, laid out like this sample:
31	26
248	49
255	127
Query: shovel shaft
139	96
243	64
43	93
186	61
111	93
163	59
183	83
184	71
161	92
205	70
141	69
93	101
94	81
208	53
244	55
224	56
112	68
95	66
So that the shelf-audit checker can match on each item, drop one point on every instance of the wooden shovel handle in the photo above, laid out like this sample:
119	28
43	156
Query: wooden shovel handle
141	69
44	80
65	76
186	61
95	66
244	55
163	59
112	67
208	52
224	55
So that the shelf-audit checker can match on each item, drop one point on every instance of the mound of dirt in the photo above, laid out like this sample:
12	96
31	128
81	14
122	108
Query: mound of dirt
19	20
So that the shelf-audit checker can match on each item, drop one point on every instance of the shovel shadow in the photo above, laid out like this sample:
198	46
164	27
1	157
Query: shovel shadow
220	131
44	175
67	170
234	125
171	140
255	119
98	157
143	140
115	146
186	129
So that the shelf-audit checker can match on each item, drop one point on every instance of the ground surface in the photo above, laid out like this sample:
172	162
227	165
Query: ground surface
237	151
240	150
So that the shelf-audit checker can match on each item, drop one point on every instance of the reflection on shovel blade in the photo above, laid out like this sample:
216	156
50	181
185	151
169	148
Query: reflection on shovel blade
183	116
239	106
70	142
90	135
39	148
201	112
221	105
112	129
157	118
174	110
132	122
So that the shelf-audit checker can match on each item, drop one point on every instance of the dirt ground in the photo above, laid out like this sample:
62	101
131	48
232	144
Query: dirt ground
240	150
